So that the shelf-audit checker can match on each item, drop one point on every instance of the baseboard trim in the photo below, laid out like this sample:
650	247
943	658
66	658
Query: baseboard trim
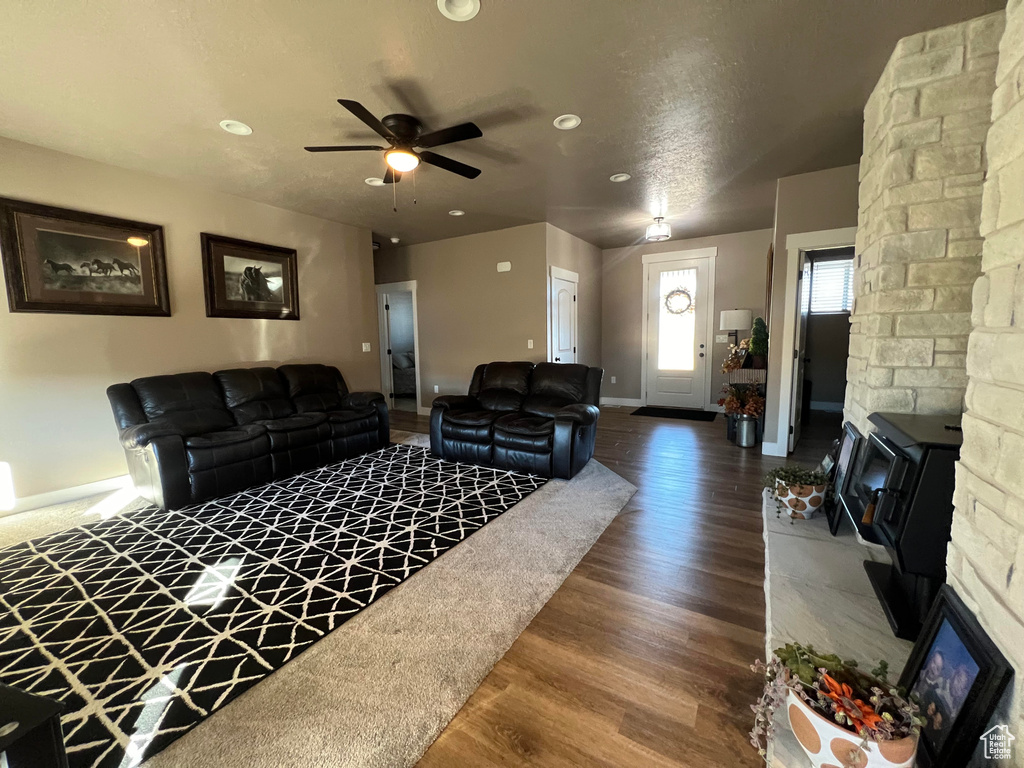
631	402
775	449
50	498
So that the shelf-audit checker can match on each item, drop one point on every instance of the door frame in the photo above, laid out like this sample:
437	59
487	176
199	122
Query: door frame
574	278
802	241
382	340
711	254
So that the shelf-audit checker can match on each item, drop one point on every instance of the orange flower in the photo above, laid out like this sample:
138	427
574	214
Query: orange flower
861	716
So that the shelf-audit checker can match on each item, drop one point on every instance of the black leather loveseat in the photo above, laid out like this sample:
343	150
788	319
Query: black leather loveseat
190	437
531	418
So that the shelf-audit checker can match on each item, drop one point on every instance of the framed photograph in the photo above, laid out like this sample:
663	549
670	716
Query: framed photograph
60	260
956	674
250	280
848	445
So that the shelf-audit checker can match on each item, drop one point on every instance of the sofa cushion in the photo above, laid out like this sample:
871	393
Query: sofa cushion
314	387
352	421
504	385
296	431
230	446
470	426
524	433
190	402
547	406
254	394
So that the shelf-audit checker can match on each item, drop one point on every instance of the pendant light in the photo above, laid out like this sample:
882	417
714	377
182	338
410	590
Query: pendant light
659	230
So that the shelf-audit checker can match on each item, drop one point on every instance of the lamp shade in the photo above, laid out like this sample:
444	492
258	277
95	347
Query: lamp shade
735	319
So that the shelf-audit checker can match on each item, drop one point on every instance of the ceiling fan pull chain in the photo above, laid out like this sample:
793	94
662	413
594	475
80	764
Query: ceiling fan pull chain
414	174
394	195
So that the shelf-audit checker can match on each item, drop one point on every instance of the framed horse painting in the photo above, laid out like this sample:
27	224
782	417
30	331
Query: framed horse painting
60	260
250	280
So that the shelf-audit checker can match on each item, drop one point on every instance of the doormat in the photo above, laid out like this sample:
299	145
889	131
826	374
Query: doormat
675	413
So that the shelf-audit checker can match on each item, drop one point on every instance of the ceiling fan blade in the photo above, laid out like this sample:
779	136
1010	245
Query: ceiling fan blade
358	148
448	164
363	114
392	176
450	135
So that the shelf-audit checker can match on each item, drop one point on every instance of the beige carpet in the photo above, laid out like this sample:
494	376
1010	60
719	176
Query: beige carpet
379	690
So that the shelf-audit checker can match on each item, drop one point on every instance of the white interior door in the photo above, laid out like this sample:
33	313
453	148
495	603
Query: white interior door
563	320
803	309
677	295
384	344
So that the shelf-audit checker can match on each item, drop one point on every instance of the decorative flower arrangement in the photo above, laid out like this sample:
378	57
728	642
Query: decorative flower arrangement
863	704
737	355
742	400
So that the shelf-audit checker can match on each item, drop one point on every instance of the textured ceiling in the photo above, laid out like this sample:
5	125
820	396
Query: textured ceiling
704	103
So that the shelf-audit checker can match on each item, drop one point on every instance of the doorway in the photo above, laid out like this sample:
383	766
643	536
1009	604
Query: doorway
562	316
804	251
399	346
678	308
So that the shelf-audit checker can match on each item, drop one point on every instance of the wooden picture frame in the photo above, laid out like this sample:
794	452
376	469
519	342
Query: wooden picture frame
249	280
61	260
957	675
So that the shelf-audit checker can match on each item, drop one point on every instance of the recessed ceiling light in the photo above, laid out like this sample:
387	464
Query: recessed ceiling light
373	181
456	212
617	177
568	122
396	240
236	127
459	10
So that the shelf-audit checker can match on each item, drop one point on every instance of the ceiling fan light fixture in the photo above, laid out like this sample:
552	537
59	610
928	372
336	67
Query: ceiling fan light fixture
401	160
458	10
659	230
567	122
237	127
137	241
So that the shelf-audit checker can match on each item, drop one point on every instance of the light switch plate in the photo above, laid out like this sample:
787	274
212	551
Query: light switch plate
366	346
613	379
529	343
722	338
436	390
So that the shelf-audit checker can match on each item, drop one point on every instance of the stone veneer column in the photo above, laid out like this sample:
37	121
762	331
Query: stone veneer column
918	245
985	562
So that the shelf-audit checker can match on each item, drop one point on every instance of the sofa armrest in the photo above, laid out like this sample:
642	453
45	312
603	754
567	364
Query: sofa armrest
580	413
363	399
141	435
456	402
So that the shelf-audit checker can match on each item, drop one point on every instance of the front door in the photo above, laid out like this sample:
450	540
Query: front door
563	320
677	333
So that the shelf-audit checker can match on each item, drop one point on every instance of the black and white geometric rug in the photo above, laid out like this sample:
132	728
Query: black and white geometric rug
145	624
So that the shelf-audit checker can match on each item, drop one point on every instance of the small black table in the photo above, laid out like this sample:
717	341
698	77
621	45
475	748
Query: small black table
30	733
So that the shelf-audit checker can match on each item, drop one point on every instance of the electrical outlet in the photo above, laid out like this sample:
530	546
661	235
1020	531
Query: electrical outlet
366	346
613	379
529	343
436	390
722	338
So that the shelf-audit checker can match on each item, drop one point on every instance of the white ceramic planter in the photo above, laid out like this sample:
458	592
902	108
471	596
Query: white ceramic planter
800	501
830	746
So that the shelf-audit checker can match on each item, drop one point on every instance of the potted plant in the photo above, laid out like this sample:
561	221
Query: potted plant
745	402
839	714
800	492
759	343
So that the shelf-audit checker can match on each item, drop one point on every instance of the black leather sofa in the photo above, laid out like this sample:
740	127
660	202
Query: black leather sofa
191	437
539	418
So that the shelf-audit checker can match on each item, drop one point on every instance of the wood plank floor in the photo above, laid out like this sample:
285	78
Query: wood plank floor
641	657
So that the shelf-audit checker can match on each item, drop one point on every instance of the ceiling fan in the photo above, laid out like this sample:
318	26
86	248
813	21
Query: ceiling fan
403	133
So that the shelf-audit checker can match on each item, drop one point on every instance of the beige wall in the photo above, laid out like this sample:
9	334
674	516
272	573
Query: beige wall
739	283
570	252
56	429
809	202
985	561
469	313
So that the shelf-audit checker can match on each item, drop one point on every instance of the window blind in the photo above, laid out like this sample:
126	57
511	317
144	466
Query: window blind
831	286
